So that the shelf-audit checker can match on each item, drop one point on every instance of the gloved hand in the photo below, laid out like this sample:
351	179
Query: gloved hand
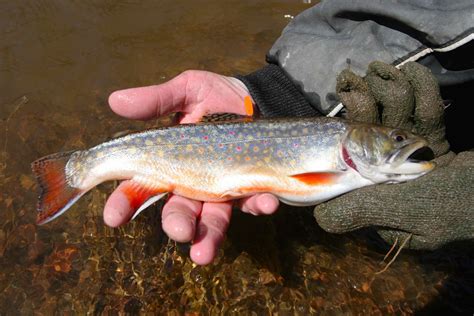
437	208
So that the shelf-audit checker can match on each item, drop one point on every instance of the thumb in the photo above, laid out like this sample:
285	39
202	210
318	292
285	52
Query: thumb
152	101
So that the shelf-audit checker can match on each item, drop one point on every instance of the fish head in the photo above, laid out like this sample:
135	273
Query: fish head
386	155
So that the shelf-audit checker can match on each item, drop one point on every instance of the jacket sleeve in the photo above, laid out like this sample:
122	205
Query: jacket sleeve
275	94
334	35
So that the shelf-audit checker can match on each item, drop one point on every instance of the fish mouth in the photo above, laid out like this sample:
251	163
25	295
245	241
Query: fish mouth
424	153
413	158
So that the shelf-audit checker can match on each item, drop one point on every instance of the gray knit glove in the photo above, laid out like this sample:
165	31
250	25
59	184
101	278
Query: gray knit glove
437	208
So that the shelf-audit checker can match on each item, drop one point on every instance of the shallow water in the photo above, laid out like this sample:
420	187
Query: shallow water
58	63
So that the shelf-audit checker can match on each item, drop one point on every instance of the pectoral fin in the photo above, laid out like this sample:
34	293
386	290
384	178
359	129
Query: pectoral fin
317	178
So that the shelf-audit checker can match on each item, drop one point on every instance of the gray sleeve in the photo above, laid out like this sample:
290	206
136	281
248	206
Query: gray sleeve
337	34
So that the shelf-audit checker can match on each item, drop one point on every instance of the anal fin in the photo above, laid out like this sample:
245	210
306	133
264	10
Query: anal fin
147	203
141	196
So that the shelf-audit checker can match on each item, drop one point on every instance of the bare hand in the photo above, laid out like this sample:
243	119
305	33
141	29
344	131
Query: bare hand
193	94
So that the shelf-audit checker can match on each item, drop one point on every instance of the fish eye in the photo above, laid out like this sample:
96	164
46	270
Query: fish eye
399	137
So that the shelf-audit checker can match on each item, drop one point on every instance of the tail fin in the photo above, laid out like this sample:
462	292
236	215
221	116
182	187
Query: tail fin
56	195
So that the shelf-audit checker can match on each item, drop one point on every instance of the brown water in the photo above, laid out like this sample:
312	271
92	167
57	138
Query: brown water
59	60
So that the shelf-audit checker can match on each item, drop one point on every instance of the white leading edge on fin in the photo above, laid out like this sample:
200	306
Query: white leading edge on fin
147	203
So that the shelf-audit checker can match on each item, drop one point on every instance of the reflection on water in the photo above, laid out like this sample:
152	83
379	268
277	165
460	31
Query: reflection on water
58	62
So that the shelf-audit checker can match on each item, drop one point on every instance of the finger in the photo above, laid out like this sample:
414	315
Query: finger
211	229
179	218
117	210
429	108
260	204
393	93
148	102
356	97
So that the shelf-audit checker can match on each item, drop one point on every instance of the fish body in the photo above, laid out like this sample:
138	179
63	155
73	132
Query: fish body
302	161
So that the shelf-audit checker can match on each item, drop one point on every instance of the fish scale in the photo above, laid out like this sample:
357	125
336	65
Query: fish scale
302	161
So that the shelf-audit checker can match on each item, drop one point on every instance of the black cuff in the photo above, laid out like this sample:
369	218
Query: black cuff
275	94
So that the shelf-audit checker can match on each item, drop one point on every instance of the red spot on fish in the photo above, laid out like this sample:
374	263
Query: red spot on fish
229	158
347	159
221	145
182	136
238	148
232	133
295	145
206	137
316	178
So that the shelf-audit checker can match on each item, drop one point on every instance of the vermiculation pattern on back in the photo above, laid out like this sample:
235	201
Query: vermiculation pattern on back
285	146
280	140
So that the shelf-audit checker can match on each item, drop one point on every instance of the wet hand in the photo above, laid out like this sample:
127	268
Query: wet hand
194	94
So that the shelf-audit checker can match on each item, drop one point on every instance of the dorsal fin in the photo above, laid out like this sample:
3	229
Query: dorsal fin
232	117
225	117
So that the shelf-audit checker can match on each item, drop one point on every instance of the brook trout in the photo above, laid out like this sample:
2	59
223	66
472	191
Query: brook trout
303	161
